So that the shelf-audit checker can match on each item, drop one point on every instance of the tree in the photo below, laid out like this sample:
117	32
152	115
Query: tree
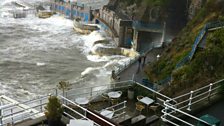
53	111
63	85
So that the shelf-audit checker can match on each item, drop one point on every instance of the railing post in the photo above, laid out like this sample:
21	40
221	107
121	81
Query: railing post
209	91
56	91
190	100
91	91
1	113
133	77
124	108
66	96
166	108
41	109
12	116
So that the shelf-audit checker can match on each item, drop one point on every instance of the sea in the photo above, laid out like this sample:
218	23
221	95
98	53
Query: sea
35	54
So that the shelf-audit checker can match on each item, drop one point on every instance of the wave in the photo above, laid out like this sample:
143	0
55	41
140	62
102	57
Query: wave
40	64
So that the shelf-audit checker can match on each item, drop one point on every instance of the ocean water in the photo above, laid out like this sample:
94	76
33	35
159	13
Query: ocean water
35	54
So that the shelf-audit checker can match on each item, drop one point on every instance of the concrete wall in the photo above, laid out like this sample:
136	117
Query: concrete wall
119	25
72	10
115	51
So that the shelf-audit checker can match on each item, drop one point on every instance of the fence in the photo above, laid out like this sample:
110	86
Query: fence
17	112
142	25
20	111
94	91
118	110
186	101
208	27
83	114
126	65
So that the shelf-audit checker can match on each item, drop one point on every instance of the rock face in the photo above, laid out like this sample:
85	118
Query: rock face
194	7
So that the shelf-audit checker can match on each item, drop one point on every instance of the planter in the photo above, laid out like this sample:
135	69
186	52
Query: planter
54	122
130	94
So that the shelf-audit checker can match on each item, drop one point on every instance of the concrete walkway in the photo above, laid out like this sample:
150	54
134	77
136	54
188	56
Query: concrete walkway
132	71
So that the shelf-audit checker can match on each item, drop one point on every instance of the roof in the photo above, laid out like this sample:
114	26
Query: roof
210	119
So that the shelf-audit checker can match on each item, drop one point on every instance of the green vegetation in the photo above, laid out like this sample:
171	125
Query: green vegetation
54	109
206	65
156	2
149	2
63	85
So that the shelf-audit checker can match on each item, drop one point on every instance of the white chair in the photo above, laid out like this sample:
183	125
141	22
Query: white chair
139	97
120	92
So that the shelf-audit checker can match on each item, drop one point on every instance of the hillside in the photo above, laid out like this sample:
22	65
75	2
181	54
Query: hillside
167	11
206	65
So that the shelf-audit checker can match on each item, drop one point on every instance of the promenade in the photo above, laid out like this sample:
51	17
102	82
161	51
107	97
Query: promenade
132	71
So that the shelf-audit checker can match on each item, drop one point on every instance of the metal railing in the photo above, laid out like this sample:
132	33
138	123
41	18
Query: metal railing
186	101
94	91
84	110
11	113
118	108
142	25
208	27
20	111
125	65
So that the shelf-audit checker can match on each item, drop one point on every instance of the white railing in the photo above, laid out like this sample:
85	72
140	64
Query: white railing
186	101
174	107
20	111
161	98
94	91
126	65
82	115
117	108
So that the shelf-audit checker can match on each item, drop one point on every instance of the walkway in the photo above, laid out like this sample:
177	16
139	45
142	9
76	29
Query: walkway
127	74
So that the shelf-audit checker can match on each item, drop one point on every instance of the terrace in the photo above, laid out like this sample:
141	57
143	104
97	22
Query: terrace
111	105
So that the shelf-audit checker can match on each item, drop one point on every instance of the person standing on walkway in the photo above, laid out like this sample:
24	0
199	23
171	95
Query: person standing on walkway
144	57
139	63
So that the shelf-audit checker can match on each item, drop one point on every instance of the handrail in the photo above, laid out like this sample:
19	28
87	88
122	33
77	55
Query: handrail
16	104
86	110
177	110
139	24
207	27
96	89
166	97
193	98
117	109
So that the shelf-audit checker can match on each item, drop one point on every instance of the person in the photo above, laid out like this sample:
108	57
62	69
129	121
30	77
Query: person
114	76
139	63
144	57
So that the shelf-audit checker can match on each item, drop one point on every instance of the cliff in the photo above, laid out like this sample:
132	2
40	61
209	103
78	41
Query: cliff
205	66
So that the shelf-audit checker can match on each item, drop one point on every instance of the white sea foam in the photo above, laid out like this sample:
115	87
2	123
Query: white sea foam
89	70
51	34
40	64
96	58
